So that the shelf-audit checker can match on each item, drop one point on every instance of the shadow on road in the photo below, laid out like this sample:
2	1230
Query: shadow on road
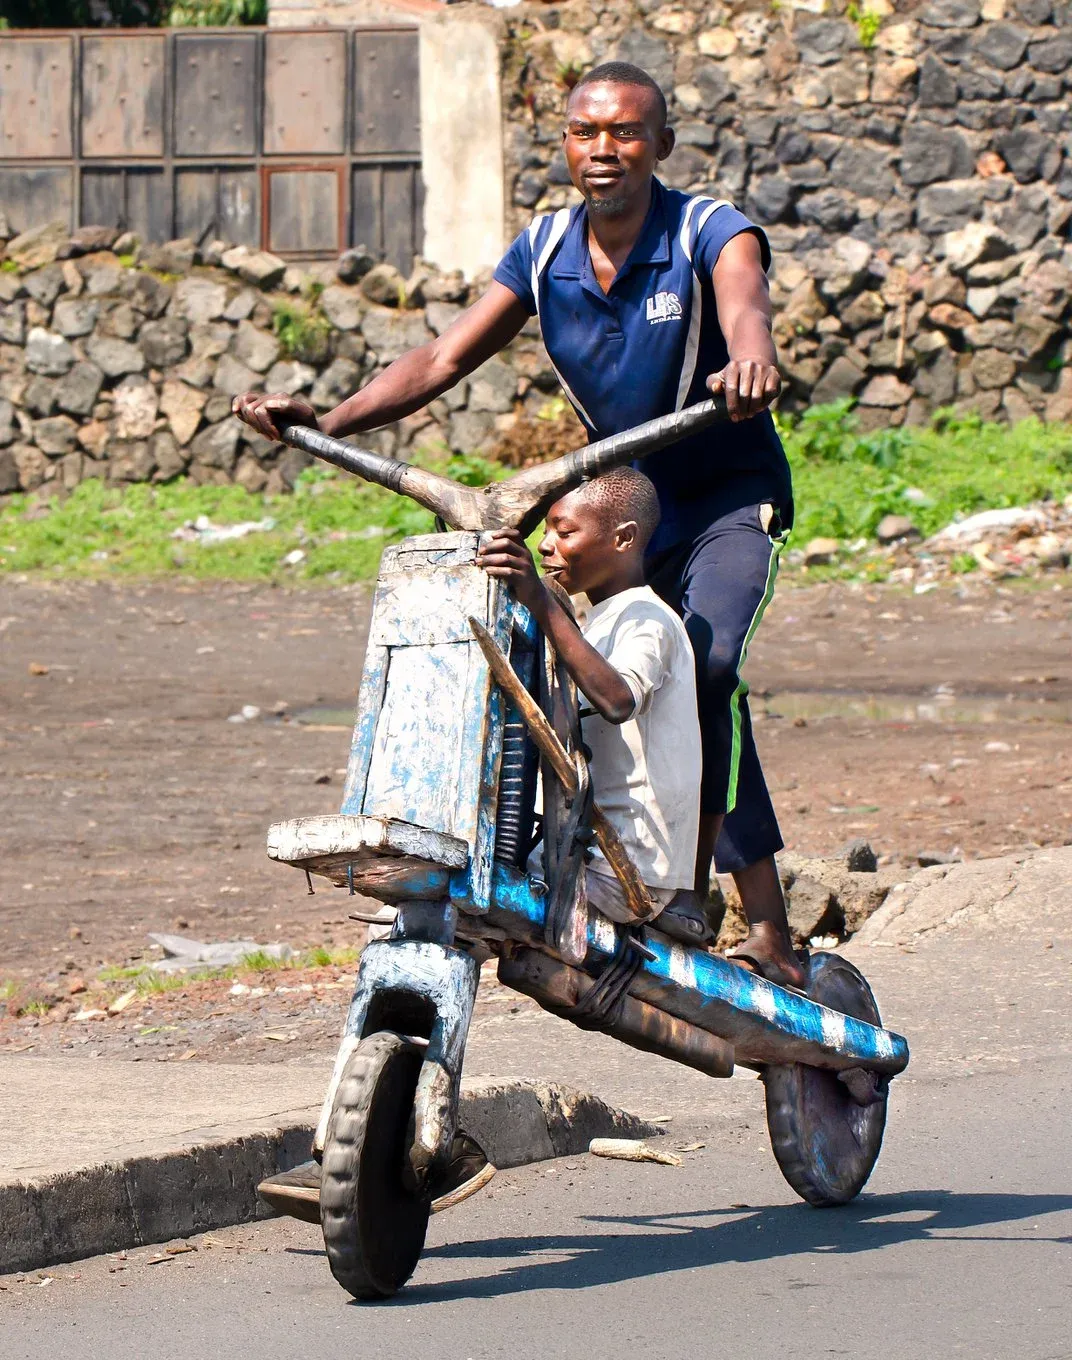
756	1233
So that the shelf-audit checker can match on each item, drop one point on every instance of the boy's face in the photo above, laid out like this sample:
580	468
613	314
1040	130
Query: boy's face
579	550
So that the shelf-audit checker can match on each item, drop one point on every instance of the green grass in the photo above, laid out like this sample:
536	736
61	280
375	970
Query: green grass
845	482
340	524
301	329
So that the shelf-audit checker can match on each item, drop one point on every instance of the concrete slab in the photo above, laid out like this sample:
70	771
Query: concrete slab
99	1155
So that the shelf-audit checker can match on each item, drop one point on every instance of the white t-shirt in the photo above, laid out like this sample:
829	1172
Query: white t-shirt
646	770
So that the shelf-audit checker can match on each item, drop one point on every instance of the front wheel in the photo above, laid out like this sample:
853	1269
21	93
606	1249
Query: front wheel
374	1222
825	1142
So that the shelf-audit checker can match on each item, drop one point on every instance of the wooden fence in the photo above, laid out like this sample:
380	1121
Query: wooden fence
300	141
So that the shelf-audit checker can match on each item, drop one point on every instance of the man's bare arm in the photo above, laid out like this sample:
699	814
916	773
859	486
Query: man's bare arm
742	295
411	382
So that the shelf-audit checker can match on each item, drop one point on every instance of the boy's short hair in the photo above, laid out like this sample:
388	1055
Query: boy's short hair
624	494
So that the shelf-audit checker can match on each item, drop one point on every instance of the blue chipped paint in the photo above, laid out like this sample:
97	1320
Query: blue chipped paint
763	1021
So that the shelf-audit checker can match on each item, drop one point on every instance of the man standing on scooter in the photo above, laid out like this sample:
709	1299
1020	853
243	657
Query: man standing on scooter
648	299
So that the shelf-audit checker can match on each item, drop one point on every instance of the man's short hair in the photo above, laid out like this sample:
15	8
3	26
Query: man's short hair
623	73
621	495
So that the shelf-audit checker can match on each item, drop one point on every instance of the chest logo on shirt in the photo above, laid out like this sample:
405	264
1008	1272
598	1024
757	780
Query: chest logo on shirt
663	307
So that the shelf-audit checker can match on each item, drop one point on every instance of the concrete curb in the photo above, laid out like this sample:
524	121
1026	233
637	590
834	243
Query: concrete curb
212	1183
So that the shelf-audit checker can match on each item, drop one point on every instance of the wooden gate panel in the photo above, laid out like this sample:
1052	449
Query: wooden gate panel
400	212
133	199
253	136
304	210
218	202
34	195
123	96
304	94
366	207
386	204
35	97
387	111
216	95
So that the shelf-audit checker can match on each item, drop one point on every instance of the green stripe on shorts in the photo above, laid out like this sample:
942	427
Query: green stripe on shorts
777	544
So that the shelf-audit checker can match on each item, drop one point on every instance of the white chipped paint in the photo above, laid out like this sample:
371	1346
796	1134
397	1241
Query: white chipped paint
764	999
884	1045
833	1029
602	933
682	967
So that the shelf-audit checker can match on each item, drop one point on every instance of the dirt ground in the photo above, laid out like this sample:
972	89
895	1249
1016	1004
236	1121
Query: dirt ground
128	802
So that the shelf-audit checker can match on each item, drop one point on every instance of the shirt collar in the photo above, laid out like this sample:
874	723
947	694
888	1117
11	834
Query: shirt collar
652	246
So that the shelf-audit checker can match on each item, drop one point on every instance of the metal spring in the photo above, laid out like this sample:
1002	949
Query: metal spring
511	792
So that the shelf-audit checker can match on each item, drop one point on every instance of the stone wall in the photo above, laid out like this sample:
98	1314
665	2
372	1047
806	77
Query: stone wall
119	361
912	165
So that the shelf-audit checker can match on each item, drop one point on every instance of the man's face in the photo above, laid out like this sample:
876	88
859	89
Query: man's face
578	549
613	139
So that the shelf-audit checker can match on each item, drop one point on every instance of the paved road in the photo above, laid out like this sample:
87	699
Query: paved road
961	1245
960	1248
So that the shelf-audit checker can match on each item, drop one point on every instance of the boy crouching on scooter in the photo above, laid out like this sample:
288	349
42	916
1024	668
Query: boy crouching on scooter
633	663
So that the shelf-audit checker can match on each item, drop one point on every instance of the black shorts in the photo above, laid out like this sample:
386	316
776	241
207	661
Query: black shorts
720	584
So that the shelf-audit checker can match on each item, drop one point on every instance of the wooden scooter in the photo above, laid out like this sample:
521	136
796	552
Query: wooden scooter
462	704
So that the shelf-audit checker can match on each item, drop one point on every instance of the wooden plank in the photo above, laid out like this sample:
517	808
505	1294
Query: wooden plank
303	210
304	94
366	207
215	94
224	202
122	95
370	698
400	244
386	92
35	195
240	206
336	834
134	199
35	97
417	754
427	607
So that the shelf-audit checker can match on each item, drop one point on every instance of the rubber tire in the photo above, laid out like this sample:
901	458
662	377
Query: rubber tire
374	1225
824	1143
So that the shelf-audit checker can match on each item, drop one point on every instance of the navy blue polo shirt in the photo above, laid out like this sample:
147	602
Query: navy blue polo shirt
646	348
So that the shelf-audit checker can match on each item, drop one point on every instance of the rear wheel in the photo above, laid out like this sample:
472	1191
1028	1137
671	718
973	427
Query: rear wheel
825	1142
373	1220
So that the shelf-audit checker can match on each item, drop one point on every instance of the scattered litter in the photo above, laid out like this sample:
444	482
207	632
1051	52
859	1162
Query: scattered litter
660	1119
293	557
692	1147
247	713
975	527
997	748
122	1002
631	1150
204	651
183	953
179	1248
89	1013
281	1038
202	530
37	668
